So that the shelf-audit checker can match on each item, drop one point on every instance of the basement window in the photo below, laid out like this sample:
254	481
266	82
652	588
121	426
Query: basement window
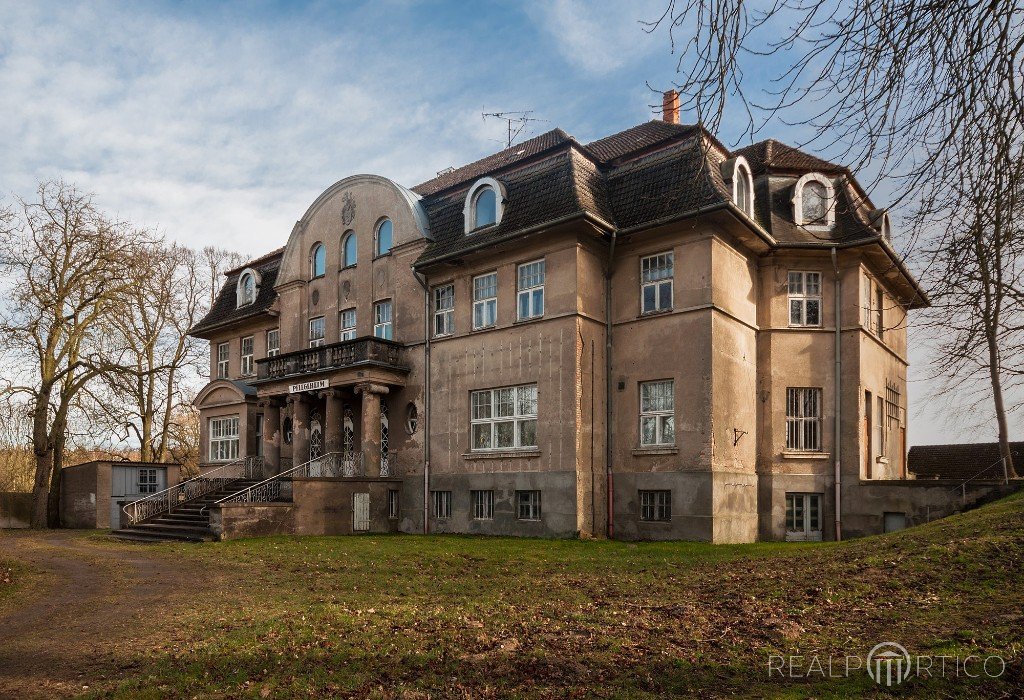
442	504
656	505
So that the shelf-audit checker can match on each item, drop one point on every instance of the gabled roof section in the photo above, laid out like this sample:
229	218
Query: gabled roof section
637	138
225	310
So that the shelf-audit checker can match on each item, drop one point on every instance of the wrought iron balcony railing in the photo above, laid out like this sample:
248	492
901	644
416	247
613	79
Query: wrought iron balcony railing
348	353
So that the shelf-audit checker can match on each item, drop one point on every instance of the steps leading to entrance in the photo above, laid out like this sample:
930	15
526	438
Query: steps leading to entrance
188	522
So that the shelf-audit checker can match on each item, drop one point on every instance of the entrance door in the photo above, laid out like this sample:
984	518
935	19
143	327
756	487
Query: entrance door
360	512
803	517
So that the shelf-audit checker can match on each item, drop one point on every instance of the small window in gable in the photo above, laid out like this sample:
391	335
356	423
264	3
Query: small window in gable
348	249
814	202
318	261
248	286
736	173
485	204
879	219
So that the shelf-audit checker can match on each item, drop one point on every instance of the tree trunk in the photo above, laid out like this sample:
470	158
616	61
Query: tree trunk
41	489
997	397
57	474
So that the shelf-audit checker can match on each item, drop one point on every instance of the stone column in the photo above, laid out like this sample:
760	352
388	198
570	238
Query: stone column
271	436
300	429
370	426
332	420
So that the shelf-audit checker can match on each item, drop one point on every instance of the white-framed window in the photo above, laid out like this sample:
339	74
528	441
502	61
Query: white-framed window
485	300
223	360
881	427
223	439
384	237
530	295
657	413
273	342
803	419
348	249
147	481
442	504
656	505
382	320
318	261
483	505
656	272
248	285
736	172
394	511
879	311
803	516
814	202
347	324
444	310
804	298
505	418
867	303
248	355
317	330
484	206
528	505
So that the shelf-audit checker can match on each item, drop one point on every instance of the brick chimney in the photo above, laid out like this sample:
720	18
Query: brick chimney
670	107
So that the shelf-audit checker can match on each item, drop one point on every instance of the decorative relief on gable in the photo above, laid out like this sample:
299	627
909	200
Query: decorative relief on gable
348	209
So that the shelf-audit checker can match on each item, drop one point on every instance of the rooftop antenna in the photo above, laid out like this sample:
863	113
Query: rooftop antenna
517	121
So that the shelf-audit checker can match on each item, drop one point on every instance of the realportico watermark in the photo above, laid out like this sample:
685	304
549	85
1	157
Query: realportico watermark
888	664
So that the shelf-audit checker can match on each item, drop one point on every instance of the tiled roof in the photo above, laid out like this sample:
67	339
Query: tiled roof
961	462
225	309
636	139
772	155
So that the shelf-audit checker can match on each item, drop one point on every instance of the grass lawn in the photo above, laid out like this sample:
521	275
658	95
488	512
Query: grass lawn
411	616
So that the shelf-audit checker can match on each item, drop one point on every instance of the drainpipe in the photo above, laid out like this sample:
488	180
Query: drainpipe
837	293
609	478
422	279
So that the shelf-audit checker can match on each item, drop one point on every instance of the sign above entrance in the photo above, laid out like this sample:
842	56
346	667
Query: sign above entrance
308	386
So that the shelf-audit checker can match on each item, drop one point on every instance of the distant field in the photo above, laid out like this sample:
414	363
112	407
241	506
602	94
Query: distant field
410	616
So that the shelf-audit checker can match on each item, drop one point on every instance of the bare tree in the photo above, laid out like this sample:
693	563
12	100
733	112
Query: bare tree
217	262
16	467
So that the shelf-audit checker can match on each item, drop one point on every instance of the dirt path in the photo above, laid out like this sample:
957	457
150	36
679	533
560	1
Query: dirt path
82	628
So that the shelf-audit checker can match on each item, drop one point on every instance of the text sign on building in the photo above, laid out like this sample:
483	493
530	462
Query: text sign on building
308	386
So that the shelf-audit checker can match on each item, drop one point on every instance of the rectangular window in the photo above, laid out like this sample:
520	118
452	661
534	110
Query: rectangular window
273	343
883	433
804	298
656	282
483	505
528	505
223	439
485	300
442	504
531	290
656	505
147	481
393	504
505	418
444	310
879	311
803	419
259	434
657	413
316	332
248	353
223	360
382	325
867	304
803	516
347	323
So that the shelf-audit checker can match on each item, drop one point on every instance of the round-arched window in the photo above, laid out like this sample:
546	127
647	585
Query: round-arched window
348	249
412	418
385	234
246	289
318	261
485	208
744	193
815	203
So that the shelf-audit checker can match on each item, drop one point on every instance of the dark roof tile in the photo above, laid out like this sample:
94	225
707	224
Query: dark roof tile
636	139
225	309
979	460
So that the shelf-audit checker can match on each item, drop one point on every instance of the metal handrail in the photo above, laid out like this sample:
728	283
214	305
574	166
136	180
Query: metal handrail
270	489
163	501
962	486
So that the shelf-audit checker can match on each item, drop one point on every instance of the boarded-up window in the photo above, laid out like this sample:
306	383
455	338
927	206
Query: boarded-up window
360	512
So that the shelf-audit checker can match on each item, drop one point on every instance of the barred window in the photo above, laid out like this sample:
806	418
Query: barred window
531	290
483	505
805	298
442	504
655	505
656	282
393	504
803	419
147	481
444	310
348	324
382	323
505	418
248	345
316	332
528	505
485	300
223	360
657	413
273	343
223	439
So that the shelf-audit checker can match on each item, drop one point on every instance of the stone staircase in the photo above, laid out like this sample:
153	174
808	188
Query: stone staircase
188	522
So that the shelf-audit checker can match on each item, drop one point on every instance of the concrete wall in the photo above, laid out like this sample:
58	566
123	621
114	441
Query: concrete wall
85	495
324	506
15	509
232	521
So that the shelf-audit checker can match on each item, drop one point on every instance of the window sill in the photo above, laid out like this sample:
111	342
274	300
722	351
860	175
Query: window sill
656	312
660	450
811	326
882	460
790	454
484	328
381	255
527	320
347	267
502	454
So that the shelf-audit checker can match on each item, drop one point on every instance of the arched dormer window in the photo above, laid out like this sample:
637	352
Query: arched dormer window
318	261
814	202
384	237
485	204
879	219
248	287
736	173
348	249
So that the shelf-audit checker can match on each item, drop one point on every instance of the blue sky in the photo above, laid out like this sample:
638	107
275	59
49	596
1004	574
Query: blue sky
220	123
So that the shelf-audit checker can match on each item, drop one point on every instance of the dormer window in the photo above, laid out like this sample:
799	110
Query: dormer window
814	203
318	261
736	173
348	249
485	205
384	237
879	219
248	286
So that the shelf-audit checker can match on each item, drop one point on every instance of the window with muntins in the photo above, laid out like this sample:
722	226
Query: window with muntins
348	249
393	504
347	323
656	505
485	300
273	343
505	418
483	505
803	516
248	354
444	310
223	439
657	413
656	273
317	330
815	204
803	419
442	504
530	296
382	324
318	261
147	481
247	289
528	505
384	237
223	360
804	298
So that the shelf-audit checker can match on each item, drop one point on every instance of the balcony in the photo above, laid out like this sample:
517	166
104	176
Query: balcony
348	353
